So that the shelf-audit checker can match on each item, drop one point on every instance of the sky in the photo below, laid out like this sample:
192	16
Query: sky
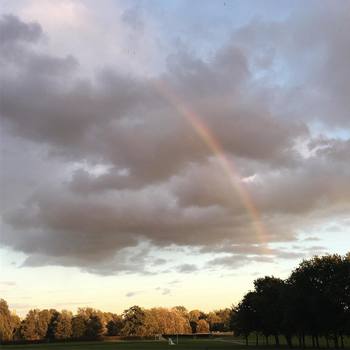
166	153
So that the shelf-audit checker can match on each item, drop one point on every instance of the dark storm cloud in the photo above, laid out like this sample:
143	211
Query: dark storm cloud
160	184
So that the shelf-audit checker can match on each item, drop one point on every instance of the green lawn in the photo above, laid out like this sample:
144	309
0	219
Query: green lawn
184	344
201	344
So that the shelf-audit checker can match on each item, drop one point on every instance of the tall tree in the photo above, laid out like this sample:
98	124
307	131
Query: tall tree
244	319
202	326
63	328
79	326
6	329
95	327
133	320
114	326
51	328
29	328
269	305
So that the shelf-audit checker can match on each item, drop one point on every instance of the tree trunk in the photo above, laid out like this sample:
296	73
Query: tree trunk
342	341
303	340
313	341
257	339
327	341
289	340
277	340
267	339
246	340
336	344
317	342
300	341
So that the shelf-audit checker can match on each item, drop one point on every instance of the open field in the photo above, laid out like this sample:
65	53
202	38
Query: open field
184	344
202	344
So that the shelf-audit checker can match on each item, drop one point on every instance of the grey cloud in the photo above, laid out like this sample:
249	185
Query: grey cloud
132	294
163	186
249	254
317	62
236	260
164	291
12	29
187	268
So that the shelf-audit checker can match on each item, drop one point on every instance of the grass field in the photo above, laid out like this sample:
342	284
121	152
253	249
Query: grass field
202	344
184	344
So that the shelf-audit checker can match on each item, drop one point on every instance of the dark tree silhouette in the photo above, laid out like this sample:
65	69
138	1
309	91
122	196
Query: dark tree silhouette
313	301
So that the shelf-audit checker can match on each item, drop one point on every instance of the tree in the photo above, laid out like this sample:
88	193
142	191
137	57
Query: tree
6	328
78	327
202	326
51	328
322	289
133	320
269	306
95	328
219	320
244	318
44	318
63	328
89	313
114	326
165	321
16	325
194	317
29	327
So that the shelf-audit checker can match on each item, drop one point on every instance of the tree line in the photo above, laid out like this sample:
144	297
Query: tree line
314	301
89	323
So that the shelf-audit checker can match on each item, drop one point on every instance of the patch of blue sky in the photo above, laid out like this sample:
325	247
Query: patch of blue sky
318	128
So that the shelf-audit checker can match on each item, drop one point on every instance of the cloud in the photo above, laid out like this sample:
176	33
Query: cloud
164	291
187	268
12	29
159	185
132	294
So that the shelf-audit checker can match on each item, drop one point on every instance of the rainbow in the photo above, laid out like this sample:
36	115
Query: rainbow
216	148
